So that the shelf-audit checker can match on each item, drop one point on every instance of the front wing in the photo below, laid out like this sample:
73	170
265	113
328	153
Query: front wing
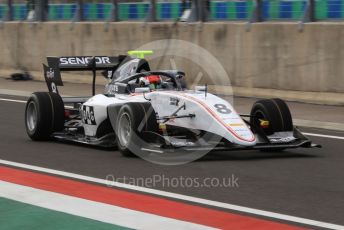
264	143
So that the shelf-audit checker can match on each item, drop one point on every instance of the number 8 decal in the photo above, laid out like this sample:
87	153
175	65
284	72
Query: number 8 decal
221	108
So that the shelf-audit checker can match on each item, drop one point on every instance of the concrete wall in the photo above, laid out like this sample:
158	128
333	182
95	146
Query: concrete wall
270	55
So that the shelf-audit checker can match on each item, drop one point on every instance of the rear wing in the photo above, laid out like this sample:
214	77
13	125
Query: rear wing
52	72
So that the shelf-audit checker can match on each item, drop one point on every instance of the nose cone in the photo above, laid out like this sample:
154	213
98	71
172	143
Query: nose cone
238	132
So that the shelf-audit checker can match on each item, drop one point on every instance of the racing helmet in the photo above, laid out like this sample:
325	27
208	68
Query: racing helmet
151	81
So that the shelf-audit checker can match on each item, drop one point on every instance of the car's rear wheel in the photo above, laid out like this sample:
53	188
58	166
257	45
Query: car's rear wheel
133	120
44	114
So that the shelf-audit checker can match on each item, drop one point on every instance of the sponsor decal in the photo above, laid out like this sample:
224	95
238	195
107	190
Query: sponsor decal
109	74
87	115
83	60
115	88
50	73
282	137
182	143
53	87
52	78
174	101
282	140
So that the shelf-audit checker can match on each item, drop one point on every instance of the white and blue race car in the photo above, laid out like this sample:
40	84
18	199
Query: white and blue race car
152	111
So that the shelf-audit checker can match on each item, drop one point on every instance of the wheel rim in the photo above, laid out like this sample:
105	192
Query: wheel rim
124	129
260	115
31	116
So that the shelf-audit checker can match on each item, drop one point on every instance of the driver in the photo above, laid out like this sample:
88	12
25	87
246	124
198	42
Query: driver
152	81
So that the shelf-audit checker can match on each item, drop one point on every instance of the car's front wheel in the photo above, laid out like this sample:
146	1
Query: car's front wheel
132	121
276	113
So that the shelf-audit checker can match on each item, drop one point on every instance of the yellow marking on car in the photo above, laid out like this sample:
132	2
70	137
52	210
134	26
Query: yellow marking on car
264	123
140	53
236	124
162	126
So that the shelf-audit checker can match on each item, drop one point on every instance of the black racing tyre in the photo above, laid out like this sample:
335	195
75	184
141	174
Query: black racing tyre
287	118
132	120
58	112
44	114
104	128
276	112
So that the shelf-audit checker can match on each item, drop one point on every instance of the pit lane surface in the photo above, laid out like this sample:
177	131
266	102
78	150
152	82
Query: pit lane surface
306	183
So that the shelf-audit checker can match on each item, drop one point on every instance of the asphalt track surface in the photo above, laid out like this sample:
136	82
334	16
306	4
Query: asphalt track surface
306	183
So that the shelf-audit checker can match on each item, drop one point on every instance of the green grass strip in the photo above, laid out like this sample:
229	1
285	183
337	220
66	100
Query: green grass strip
17	215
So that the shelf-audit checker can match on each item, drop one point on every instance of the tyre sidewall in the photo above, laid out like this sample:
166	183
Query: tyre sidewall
44	124
136	112
276	111
284	110
58	112
270	113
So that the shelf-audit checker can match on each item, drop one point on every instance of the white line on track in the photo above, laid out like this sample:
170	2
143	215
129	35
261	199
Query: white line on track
322	135
21	101
178	196
308	134
11	100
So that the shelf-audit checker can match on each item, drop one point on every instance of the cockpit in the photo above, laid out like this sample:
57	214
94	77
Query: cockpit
134	76
147	82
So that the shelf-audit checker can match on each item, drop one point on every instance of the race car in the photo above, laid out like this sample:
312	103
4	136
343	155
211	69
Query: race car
149	111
